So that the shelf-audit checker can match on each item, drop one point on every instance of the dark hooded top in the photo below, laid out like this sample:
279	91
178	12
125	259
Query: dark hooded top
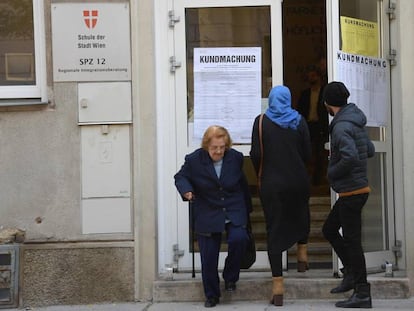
350	149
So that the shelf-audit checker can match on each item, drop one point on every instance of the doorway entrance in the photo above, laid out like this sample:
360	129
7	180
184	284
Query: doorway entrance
305	73
292	38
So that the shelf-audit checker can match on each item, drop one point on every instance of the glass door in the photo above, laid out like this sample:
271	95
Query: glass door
358	42
234	33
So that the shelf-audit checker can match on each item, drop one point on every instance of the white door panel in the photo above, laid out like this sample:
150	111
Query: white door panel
201	15
378	231
378	215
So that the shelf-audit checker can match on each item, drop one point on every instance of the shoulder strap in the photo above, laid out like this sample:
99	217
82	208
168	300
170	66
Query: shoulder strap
259	174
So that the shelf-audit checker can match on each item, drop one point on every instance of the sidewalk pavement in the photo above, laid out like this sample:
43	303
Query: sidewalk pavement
293	305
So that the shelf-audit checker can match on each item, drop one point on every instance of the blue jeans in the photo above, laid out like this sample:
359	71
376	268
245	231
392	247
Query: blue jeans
346	214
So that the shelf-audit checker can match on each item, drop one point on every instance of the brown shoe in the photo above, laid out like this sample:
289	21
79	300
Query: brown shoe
277	291
302	266
277	300
302	254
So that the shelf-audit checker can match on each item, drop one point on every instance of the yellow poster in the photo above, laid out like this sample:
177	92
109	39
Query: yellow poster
359	36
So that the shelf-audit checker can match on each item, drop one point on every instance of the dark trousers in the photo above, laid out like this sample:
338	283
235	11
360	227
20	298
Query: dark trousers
237	239
346	214
275	259
287	222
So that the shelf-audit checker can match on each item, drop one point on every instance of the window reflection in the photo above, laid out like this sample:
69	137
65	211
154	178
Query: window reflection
372	214
227	27
16	43
366	10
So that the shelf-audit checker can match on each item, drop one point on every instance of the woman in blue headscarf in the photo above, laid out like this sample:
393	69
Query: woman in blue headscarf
284	182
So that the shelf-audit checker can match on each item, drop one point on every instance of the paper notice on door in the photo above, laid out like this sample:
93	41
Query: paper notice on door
227	90
359	36
368	82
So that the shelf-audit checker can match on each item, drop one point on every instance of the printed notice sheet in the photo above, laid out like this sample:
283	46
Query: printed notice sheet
227	90
359	36
367	80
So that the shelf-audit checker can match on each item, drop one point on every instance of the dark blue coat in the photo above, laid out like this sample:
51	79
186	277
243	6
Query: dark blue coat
215	198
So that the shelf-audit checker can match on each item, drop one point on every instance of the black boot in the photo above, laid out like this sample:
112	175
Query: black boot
347	282
361	298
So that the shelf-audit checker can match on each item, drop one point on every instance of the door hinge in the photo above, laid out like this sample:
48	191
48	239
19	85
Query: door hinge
173	19
170	269
392	57
177	254
174	64
391	10
397	249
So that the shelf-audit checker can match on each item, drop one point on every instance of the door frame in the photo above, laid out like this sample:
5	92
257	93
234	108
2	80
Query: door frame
374	260
180	76
169	158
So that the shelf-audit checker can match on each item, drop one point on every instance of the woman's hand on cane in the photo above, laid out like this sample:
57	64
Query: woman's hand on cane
189	196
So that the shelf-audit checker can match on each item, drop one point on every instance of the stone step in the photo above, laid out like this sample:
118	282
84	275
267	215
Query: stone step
314	248
313	284
319	250
315	234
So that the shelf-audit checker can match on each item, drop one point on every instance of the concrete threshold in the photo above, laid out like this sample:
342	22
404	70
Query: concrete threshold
313	284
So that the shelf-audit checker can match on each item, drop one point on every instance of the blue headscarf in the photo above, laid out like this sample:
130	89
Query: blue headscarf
280	110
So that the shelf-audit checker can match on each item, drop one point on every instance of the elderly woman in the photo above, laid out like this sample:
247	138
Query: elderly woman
212	178
285	184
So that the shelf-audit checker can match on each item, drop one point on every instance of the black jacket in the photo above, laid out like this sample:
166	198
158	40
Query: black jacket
304	107
350	149
286	152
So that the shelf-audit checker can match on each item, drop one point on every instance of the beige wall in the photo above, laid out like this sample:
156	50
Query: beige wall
40	163
144	146
40	186
40	169
76	274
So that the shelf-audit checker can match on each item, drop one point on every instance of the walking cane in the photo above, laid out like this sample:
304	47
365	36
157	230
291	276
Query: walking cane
190	203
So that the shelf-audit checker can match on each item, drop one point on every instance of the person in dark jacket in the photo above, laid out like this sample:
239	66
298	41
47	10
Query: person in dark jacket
347	175
212	178
311	107
285	185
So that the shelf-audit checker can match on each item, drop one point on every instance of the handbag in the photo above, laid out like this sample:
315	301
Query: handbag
249	256
259	173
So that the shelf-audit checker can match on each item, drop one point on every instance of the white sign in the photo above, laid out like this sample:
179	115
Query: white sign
367	81
227	90
91	42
